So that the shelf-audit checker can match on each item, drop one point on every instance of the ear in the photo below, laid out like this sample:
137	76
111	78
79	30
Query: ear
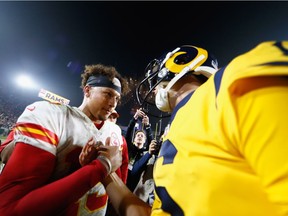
86	91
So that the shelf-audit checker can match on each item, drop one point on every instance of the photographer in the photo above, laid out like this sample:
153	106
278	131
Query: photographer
136	144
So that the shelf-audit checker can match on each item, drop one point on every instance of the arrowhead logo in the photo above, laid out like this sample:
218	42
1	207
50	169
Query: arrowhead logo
31	108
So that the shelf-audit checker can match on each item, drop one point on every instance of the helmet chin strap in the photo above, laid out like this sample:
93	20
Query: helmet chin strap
204	70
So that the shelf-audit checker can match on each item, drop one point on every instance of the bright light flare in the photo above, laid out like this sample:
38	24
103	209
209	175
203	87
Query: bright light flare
25	81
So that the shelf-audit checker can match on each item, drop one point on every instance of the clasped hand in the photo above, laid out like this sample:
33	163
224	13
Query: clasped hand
94	149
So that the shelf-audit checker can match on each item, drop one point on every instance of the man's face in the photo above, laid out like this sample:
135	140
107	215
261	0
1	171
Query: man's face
140	139
101	101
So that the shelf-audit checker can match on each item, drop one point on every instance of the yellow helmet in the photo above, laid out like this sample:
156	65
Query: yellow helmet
171	67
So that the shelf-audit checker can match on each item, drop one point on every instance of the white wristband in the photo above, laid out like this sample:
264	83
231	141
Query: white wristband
106	162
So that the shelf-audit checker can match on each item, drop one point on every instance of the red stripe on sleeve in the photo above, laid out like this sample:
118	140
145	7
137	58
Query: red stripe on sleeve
36	131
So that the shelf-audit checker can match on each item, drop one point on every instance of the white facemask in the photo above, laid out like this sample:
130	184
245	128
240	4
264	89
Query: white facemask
162	100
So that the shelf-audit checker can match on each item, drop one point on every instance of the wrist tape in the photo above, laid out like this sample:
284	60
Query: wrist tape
106	162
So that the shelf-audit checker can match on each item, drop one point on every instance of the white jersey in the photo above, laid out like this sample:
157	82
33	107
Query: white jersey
63	130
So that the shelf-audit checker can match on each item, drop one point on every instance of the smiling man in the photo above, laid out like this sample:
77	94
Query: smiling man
42	175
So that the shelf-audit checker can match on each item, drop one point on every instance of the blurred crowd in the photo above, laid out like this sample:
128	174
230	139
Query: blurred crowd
10	109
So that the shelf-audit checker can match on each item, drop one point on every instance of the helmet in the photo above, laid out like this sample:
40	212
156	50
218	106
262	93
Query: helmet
170	68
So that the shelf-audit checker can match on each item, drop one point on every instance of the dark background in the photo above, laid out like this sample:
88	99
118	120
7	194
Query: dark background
52	40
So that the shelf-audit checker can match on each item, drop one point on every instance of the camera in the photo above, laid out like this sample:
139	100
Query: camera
158	146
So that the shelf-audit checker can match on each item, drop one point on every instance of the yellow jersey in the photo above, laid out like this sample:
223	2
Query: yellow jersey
226	152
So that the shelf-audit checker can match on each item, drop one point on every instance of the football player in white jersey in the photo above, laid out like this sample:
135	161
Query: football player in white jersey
43	173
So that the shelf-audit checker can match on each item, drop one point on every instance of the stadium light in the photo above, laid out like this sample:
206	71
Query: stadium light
26	81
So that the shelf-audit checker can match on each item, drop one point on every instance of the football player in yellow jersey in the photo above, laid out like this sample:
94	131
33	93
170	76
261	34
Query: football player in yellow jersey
226	149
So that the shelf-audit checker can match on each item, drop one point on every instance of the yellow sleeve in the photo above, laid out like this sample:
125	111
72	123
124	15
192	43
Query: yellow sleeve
262	120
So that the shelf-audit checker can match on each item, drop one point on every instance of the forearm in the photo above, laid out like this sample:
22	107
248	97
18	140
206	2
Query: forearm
31	180
140	165
123	200
149	133
129	132
7	147
6	152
